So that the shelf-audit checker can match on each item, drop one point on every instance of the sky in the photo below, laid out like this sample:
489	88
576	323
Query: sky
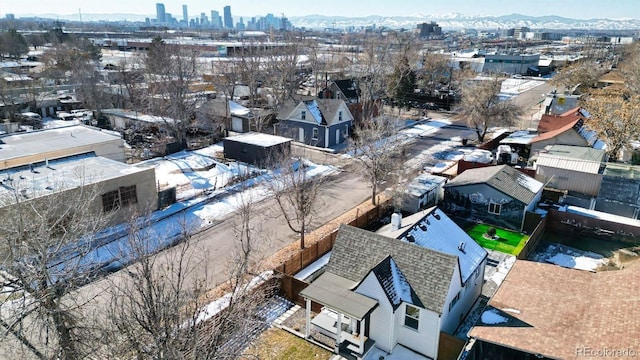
577	9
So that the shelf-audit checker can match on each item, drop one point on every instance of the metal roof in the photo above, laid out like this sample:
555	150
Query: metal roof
335	292
567	163
625	171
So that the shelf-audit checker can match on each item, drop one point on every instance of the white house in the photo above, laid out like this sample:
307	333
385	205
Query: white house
380	291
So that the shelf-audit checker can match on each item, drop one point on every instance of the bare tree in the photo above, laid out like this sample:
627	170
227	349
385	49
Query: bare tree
434	70
372	72
45	242
482	107
579	76
616	118
154	303
630	68
171	70
377	151
160	307
296	193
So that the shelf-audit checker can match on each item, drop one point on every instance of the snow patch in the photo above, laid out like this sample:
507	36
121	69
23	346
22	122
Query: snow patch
491	317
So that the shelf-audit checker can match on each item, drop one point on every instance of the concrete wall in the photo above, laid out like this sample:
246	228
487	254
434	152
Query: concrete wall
146	193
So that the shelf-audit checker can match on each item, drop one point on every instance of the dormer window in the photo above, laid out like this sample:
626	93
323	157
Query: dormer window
339	115
303	115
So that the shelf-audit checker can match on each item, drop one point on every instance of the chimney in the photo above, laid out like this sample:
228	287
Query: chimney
396	221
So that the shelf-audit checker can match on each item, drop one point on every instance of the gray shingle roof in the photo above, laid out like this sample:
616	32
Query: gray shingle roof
502	178
428	272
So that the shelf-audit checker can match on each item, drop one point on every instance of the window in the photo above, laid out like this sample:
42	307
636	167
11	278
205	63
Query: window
346	130
303	115
454	301
128	195
110	201
315	134
411	316
494	208
339	115
125	195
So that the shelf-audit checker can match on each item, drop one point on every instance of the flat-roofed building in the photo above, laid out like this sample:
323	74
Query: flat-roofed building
18	149
122	188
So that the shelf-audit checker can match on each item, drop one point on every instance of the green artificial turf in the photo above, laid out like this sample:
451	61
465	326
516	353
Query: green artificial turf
509	243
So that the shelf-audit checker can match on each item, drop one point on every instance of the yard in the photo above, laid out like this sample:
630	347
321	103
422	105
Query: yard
277	344
506	241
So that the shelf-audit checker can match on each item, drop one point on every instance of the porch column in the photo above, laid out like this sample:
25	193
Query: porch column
338	332
307	329
363	324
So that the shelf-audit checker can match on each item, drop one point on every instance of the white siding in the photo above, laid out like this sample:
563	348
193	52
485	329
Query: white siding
387	328
468	295
382	317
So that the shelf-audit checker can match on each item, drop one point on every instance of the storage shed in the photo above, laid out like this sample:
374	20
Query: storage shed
255	148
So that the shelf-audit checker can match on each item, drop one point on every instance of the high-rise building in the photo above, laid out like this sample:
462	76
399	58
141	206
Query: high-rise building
428	30
216	20
160	14
228	20
185	15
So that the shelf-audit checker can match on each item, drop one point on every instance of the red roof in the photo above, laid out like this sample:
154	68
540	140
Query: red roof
553	133
554	122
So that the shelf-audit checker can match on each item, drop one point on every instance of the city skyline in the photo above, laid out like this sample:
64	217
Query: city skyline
577	9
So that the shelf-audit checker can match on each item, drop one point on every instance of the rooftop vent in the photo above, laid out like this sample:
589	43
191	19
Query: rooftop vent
422	226
436	216
461	246
410	238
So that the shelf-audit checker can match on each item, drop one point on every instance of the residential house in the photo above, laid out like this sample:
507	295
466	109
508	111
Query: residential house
544	311
318	122
550	122
572	168
382	292
573	133
347	90
221	111
498	195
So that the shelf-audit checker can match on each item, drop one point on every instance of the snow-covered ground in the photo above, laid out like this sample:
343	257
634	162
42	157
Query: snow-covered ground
568	257
512	87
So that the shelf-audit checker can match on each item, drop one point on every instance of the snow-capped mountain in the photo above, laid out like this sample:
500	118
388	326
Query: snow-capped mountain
460	21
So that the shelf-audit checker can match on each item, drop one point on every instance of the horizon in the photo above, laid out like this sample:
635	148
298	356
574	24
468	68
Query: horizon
572	9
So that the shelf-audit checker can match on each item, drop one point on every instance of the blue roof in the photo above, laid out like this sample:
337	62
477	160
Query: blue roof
436	231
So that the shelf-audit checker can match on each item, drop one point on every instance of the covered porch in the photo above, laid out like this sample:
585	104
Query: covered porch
344	316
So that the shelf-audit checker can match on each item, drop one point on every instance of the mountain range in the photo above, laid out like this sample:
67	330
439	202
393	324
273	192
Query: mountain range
447	21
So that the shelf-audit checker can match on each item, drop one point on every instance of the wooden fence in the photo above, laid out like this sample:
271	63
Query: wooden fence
321	242
534	239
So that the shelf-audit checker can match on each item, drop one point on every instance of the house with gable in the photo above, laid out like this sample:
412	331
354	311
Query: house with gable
498	195
317	122
383	292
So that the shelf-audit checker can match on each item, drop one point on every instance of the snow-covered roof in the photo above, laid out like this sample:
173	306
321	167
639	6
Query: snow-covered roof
433	229
424	183
357	252
260	139
17	145
522	137
50	176
134	115
237	109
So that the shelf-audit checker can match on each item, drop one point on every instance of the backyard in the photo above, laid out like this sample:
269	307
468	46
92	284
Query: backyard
505	241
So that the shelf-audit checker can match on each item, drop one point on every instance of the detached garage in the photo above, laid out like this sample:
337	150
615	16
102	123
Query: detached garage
255	148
